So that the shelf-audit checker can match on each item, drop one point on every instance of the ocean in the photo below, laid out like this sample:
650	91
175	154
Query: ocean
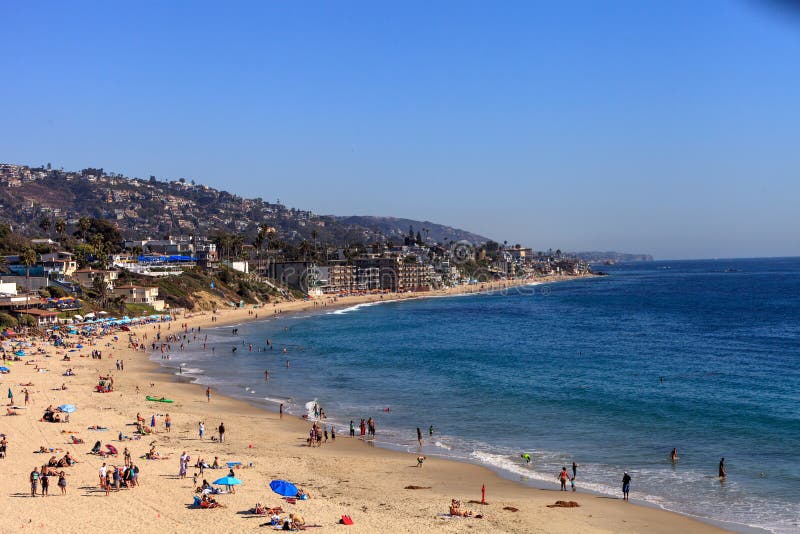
569	371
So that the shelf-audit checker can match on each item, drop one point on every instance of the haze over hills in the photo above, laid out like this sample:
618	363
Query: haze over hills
151	207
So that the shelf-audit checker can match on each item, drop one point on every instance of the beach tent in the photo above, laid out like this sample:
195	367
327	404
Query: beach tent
228	481
282	487
67	408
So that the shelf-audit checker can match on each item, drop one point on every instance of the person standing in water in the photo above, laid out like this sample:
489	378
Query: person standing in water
626	486
419	436
574	469
563	476
722	473
674	455
526	456
430	430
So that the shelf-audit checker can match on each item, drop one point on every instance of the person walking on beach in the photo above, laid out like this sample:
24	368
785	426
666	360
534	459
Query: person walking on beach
208	394
574	469
280	410
201	429
352	429
222	432
363	426
626	486
27	396
168	422
563	476
722	473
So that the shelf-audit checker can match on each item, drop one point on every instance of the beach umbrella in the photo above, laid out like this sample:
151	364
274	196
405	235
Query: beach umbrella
282	487
78	346
228	481
19	353
67	408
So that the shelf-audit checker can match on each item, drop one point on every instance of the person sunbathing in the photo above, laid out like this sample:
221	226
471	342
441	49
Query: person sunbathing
455	509
215	465
296	522
303	495
10	411
209	502
153	454
258	509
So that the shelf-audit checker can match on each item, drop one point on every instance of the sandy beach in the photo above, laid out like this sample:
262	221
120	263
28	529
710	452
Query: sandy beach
345	477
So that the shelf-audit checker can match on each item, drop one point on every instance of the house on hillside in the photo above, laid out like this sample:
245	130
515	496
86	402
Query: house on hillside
140	295
87	275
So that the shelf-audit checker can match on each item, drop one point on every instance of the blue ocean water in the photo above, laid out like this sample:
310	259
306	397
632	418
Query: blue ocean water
566	371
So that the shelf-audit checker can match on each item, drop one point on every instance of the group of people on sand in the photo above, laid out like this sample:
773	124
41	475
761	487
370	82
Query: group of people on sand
116	477
42	478
317	434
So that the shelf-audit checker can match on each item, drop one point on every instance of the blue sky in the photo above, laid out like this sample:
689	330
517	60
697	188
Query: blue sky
664	127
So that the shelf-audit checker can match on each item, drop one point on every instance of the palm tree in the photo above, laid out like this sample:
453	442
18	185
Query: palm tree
28	258
101	288
84	223
61	227
45	224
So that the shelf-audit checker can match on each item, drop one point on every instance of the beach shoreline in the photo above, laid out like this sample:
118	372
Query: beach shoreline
346	477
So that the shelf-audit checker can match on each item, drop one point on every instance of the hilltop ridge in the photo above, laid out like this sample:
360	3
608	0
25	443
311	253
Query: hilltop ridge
152	207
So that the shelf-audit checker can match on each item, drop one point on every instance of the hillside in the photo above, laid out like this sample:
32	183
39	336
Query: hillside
153	208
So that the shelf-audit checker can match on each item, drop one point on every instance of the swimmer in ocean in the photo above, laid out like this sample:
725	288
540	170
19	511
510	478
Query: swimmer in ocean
527	457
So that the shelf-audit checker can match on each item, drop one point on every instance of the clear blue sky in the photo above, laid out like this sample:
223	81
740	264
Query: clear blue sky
669	127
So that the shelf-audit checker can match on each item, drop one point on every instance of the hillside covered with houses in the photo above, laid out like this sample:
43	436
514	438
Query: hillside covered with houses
81	245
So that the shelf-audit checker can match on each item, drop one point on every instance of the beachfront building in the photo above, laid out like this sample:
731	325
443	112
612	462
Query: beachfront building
140	295
413	275
368	279
337	278
42	317
387	269
86	276
294	274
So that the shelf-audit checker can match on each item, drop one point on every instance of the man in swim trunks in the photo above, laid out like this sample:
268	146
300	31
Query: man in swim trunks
722	473
626	486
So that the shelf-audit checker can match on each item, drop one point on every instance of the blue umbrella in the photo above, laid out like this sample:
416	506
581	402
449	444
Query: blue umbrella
282	487
67	408
5	370
228	481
